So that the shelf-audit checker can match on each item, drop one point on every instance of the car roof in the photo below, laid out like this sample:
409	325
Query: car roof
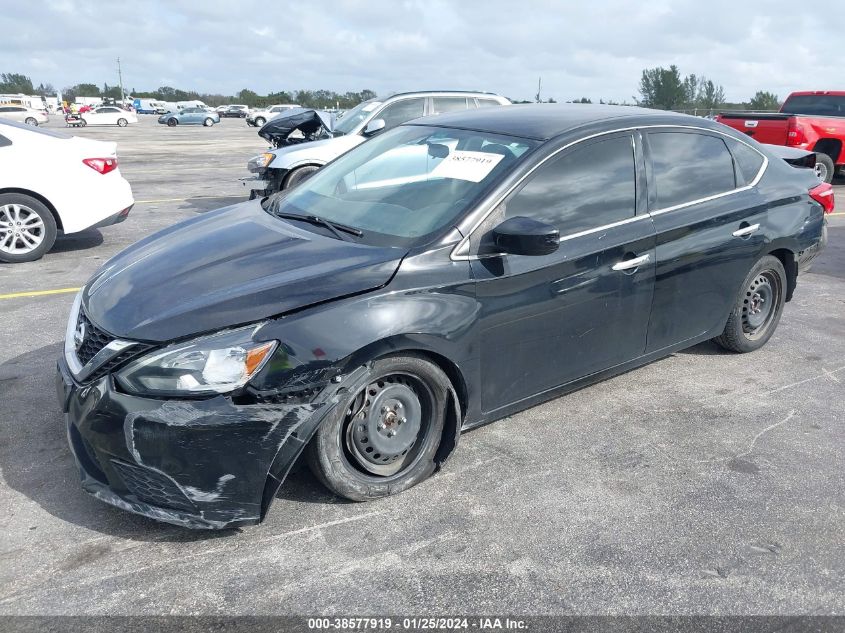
545	121
806	93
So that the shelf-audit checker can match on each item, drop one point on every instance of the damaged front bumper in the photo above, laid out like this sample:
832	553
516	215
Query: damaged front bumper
207	463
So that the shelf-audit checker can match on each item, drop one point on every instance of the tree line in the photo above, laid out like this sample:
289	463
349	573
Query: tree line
660	88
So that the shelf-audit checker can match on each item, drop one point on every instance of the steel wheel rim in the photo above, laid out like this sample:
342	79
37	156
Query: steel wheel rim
21	229
760	303
375	441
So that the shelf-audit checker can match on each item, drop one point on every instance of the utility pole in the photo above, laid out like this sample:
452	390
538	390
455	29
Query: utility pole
120	78
539	85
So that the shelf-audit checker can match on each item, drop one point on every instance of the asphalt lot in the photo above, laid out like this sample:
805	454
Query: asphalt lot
705	483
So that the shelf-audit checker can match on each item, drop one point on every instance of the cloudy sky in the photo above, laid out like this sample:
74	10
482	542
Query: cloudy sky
579	48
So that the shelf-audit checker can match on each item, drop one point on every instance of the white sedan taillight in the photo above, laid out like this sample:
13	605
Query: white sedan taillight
101	165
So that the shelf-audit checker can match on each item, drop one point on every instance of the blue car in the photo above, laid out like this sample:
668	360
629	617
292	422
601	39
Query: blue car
190	116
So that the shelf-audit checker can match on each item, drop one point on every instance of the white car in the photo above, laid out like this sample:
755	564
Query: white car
109	115
259	117
78	187
22	114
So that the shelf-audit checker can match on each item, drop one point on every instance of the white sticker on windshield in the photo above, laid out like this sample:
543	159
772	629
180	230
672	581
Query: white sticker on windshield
464	165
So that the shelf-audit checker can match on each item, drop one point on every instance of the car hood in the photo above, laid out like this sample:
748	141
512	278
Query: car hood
228	267
312	125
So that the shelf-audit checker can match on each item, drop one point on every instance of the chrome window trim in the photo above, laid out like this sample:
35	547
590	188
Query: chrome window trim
465	241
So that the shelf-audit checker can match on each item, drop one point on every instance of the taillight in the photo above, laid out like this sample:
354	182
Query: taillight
823	194
101	165
795	134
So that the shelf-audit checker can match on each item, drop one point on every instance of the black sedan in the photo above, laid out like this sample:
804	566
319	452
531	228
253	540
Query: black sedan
236	111
442	275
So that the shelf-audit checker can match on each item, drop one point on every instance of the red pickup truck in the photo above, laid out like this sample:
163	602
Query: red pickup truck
811	120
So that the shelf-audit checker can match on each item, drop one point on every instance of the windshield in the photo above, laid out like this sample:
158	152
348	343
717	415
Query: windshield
405	184
815	105
352	119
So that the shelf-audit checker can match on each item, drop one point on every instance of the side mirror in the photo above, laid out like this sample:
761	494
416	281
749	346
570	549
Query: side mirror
374	126
524	236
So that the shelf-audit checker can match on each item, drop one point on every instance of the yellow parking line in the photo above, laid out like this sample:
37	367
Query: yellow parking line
837	213
184	199
38	293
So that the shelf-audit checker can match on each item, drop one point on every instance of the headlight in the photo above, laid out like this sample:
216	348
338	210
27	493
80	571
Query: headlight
260	162
204	366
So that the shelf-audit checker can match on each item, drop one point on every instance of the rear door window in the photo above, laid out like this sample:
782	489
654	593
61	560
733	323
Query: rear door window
589	186
448	104
688	166
748	161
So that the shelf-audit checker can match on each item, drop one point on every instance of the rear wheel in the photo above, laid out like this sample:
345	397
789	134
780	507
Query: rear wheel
27	228
208	122
171	122
758	308
259	122
31	121
298	175
122	122
383	439
825	169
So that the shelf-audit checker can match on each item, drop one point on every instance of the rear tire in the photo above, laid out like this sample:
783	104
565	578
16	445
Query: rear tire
259	122
208	122
27	228
383	439
172	122
122	122
825	169
31	121
757	309
298	175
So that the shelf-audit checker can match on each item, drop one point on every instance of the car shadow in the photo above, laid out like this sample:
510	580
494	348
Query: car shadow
89	238
36	462
707	348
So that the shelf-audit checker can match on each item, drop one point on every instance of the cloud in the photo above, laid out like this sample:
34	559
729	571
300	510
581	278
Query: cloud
595	49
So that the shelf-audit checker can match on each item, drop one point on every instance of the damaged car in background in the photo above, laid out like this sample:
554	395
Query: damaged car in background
290	161
449	273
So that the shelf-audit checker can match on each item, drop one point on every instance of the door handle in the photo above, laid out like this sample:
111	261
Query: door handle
746	230
628	264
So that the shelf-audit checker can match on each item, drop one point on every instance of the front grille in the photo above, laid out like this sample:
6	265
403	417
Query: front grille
153	487
95	339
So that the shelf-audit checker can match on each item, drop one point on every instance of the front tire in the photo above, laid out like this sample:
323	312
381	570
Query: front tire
825	169
383	439
758	307
122	122
298	175
172	122
27	228
259	122
208	122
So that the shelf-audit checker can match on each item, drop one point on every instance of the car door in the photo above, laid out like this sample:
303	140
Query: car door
548	320
710	225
